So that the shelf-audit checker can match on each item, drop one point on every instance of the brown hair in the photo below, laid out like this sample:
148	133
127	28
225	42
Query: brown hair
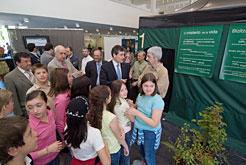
58	81
115	90
5	97
11	135
38	66
149	77
98	96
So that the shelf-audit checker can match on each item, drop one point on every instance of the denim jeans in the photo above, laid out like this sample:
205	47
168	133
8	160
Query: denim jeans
125	160
147	150
115	158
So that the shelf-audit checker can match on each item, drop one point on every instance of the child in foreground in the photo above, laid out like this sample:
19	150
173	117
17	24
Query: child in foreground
17	140
102	119
6	103
85	141
118	106
147	116
42	121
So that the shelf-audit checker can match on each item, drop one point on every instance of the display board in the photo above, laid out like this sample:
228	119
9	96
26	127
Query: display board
198	49
234	62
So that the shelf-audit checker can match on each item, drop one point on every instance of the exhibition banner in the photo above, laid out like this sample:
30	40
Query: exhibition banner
233	67
198	49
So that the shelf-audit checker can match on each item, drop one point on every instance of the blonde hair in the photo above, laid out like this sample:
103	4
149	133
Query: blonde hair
5	97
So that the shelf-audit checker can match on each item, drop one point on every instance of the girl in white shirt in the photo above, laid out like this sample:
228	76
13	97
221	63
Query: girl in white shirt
118	106
85	141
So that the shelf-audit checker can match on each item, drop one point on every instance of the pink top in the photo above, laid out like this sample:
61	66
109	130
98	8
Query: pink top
61	102
46	135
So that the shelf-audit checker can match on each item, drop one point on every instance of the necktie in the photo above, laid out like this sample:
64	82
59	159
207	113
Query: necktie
63	64
98	72
30	77
118	72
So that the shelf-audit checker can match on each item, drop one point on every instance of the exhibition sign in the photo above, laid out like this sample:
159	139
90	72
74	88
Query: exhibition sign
198	49
233	67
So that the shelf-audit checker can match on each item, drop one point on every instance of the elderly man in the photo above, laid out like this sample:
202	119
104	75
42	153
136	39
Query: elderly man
19	81
93	68
154	55
86	59
60	62
135	72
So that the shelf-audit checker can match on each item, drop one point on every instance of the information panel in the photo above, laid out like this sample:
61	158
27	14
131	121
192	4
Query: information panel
234	62
198	49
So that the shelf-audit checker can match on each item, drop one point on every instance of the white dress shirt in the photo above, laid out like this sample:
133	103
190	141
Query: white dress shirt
84	62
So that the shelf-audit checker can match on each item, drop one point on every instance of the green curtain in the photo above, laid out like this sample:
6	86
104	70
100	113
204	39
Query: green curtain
191	94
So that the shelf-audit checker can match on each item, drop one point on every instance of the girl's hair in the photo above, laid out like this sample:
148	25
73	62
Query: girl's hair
38	66
80	87
12	131
5	97
58	81
36	93
98	96
115	90
76	131
149	77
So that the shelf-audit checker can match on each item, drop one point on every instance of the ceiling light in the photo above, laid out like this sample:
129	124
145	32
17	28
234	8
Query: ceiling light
77	25
97	30
111	28
86	31
134	31
26	20
65	27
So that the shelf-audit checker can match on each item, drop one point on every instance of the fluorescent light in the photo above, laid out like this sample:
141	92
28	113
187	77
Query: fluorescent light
77	25
26	20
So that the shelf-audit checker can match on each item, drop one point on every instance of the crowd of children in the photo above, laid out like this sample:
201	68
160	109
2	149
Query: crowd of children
67	118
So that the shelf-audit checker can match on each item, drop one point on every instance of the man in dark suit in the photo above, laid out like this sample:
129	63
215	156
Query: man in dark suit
19	80
35	58
115	69
71	57
93	68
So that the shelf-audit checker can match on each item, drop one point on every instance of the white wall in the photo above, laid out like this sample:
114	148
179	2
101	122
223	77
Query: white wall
109	43
97	11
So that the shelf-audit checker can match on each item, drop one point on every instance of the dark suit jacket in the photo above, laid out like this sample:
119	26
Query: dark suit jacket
18	84
75	61
34	59
91	71
108	73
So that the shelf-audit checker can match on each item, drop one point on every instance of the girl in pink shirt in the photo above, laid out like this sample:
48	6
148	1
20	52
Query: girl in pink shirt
42	121
60	80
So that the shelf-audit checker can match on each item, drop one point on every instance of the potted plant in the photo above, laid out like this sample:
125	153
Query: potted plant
203	146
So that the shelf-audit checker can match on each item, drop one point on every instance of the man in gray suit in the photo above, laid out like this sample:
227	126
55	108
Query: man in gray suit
19	81
47	55
60	62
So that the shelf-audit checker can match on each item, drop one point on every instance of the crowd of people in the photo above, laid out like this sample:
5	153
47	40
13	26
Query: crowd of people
87	111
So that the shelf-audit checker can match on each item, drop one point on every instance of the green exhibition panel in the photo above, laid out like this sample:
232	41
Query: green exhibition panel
192	92
234	62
